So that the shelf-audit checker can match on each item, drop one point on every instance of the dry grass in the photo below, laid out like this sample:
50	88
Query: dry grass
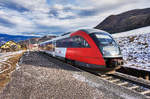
5	76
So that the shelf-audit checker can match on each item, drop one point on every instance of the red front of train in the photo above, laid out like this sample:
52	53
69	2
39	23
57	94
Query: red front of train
99	50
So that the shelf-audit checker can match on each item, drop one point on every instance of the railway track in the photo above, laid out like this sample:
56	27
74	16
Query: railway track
137	85
128	82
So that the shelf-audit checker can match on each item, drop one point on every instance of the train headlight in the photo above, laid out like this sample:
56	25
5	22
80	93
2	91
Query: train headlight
110	50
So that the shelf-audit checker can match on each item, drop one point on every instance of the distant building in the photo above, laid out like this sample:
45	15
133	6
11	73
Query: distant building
10	46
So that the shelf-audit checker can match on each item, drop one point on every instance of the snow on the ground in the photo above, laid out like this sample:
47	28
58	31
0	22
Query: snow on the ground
5	56
135	48
9	54
134	32
83	79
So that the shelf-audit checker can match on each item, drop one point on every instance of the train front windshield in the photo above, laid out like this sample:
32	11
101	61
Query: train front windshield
106	44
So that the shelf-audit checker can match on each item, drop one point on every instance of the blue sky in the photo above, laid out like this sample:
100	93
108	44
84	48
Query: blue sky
45	17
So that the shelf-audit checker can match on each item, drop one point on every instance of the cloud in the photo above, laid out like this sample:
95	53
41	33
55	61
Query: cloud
42	17
33	5
6	23
13	6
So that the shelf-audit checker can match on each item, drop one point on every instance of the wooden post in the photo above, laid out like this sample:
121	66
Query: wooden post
139	74
147	75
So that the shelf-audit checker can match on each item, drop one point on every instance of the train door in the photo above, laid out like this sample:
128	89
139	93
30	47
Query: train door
60	49
79	49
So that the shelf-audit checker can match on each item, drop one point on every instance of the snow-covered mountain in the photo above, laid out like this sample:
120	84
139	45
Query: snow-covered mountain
135	46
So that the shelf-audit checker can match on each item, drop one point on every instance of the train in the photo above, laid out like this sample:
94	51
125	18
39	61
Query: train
89	48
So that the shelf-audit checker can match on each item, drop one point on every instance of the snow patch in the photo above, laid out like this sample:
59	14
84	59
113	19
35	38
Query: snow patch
136	49
83	79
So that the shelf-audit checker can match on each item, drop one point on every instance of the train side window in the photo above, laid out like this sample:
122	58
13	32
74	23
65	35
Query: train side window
72	42
80	42
58	43
63	42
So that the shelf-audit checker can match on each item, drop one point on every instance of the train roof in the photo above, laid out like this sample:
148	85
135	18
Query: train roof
57	38
65	33
88	31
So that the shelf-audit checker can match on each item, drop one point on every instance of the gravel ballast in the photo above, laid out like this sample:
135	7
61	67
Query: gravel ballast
42	77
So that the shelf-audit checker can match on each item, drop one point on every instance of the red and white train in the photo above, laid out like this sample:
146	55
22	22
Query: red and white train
90	48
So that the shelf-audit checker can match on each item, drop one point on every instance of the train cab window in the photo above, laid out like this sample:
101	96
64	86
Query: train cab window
105	43
80	42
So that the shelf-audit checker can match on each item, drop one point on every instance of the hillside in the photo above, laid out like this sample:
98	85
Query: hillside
5	37
126	21
36	40
135	48
23	40
135	32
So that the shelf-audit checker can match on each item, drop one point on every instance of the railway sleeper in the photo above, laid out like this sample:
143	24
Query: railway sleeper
133	87
115	80
123	83
106	78
145	92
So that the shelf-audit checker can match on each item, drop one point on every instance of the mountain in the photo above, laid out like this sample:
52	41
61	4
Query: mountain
5	37
126	21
